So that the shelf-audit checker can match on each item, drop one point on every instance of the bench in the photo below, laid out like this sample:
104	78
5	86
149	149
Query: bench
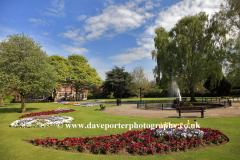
191	110
102	107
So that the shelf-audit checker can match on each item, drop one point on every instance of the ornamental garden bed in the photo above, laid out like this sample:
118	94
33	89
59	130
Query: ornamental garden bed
41	121
145	142
48	112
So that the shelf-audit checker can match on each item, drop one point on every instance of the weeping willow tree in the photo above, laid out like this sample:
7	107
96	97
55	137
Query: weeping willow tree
190	52
229	15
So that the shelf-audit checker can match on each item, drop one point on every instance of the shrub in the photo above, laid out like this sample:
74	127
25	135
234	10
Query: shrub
110	96
8	98
95	96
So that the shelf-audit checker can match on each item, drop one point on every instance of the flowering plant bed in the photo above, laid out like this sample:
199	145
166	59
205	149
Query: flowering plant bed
70	103
47	112
145	142
41	121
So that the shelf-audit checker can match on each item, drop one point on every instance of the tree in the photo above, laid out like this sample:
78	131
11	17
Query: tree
61	66
1	96
117	81
24	67
1	100
81	75
190	52
223	88
229	15
139	80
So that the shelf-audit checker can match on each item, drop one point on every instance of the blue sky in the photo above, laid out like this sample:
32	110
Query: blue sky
106	32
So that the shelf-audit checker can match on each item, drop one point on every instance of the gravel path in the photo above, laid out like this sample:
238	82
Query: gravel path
131	110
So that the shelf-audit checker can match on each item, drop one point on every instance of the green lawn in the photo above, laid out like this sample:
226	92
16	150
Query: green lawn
12	146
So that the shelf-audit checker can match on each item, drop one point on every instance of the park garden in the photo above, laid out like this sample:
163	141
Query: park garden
192	55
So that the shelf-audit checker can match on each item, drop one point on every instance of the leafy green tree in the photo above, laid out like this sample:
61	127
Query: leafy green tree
229	15
24	67
117	81
81	75
223	88
139	80
1	100
61	66
189	52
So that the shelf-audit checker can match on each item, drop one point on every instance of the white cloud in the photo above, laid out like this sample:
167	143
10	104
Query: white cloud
48	51
81	17
101	73
149	5
57	9
38	22
73	34
118	19
6	30
3	39
167	19
100	66
136	53
149	74
45	33
74	50
113	20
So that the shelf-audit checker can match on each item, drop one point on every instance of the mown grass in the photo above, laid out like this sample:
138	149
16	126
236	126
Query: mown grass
12	146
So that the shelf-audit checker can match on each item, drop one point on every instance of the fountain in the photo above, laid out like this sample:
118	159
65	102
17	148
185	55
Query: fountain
170	104
179	101
175	91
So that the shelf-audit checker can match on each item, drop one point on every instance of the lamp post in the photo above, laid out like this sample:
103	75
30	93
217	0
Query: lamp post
141	93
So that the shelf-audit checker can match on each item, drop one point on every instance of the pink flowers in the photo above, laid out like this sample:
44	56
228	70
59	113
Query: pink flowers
46	113
136	142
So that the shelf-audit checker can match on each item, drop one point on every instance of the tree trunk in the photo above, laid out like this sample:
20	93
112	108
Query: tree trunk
23	104
55	95
192	95
37	98
1	100
77	92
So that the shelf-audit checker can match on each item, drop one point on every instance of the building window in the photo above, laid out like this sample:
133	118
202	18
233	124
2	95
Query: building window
62	88
68	88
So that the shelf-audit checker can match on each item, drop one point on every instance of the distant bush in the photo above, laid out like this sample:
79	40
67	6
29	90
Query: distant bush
110	96
95	96
8	98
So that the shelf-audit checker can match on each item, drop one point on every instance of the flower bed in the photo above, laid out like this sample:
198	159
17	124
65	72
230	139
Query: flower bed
41	121
47	112
139	142
70	103
86	104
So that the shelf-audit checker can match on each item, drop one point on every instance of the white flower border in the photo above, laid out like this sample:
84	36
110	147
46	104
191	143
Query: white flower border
32	123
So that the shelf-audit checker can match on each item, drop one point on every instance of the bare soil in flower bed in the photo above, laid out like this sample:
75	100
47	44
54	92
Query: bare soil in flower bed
125	151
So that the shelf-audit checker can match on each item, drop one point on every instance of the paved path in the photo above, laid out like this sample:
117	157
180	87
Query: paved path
132	111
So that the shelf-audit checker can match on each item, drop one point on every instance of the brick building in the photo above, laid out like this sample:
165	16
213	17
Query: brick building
65	91
62	91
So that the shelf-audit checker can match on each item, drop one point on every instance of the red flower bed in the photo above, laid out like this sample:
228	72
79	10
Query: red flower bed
138	142
70	103
110	101
46	113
